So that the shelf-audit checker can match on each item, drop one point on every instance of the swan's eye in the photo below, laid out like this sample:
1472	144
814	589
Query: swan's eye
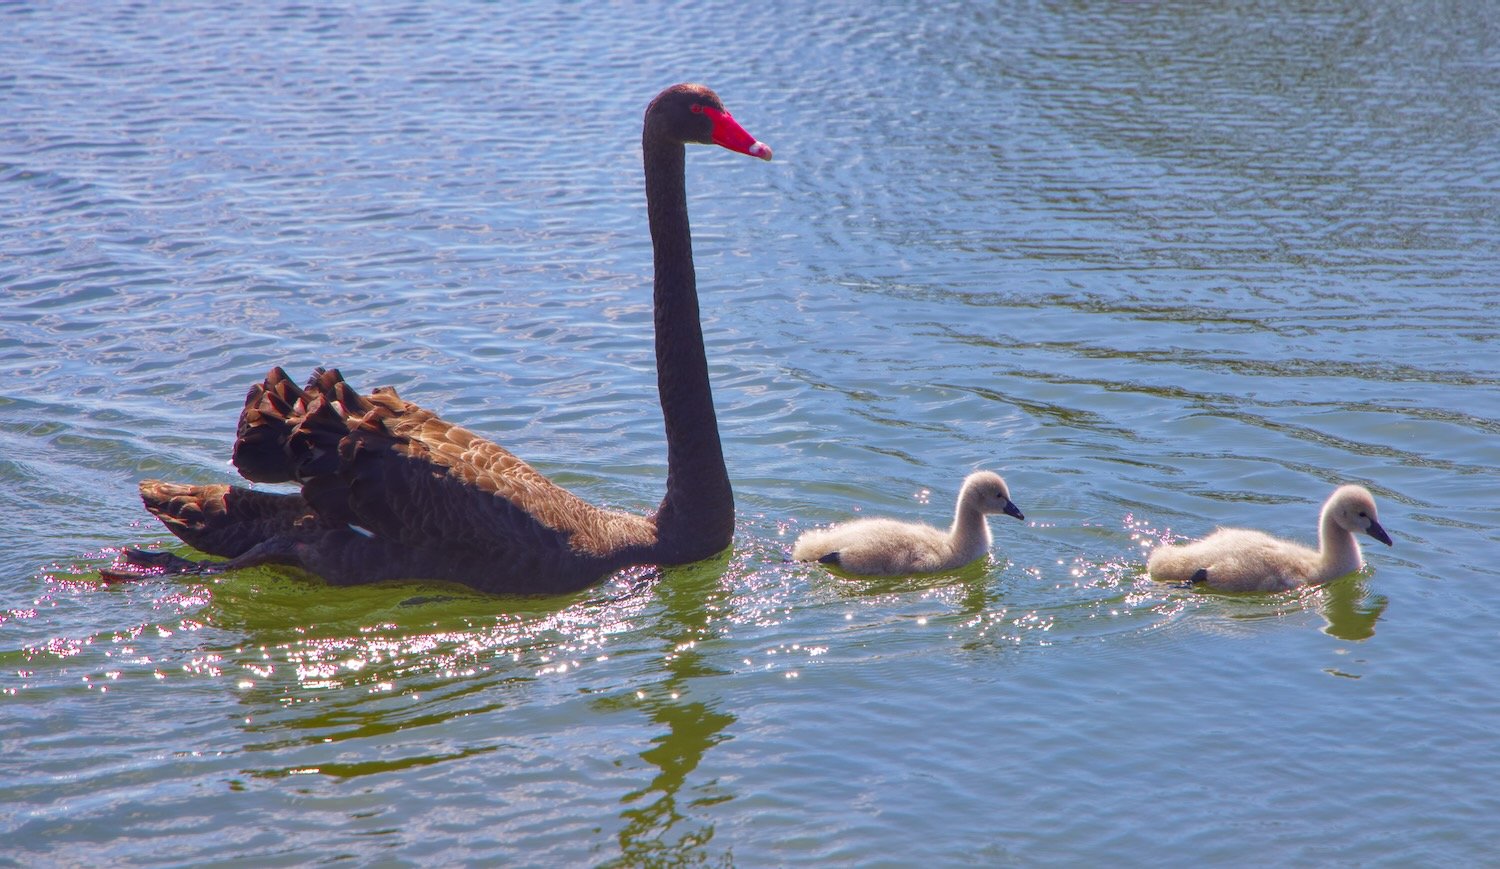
696	108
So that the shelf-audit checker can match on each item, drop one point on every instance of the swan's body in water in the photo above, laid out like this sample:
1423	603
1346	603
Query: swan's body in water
886	547
390	491
1236	559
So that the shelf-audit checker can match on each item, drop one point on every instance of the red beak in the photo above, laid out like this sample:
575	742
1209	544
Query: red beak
729	134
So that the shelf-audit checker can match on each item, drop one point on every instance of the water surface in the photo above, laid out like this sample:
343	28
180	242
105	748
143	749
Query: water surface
1163	266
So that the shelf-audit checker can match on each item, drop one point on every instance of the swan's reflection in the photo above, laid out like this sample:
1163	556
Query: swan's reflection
1349	609
690	597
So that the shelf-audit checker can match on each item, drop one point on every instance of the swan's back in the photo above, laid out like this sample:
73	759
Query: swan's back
1236	559
407	474
878	547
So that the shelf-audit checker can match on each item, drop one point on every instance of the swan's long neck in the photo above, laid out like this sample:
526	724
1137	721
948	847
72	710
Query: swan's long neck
696	517
970	533
1338	549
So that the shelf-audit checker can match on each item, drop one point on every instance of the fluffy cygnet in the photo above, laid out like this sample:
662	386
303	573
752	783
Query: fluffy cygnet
886	547
1235	559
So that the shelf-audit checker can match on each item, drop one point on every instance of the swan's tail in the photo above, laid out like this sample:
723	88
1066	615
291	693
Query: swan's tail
222	520
288	434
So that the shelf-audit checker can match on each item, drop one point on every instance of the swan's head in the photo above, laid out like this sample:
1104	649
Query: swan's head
1353	508
694	113
986	492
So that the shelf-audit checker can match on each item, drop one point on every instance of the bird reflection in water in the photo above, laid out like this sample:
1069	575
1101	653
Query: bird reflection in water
692	598
1350	610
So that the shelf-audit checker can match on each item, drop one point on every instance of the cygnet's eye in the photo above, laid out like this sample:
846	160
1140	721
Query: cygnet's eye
1363	515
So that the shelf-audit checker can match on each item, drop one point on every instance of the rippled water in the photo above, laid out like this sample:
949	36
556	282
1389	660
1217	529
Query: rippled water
1165	266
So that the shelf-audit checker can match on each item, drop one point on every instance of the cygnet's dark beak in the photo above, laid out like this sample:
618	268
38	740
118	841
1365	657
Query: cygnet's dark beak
1378	533
1012	510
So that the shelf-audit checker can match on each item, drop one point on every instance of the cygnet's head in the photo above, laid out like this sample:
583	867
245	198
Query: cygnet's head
986	492
1353	508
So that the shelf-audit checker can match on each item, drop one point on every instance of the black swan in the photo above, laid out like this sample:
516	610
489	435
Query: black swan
390	491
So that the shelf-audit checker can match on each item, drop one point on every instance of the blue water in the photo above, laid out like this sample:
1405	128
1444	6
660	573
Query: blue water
1165	267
